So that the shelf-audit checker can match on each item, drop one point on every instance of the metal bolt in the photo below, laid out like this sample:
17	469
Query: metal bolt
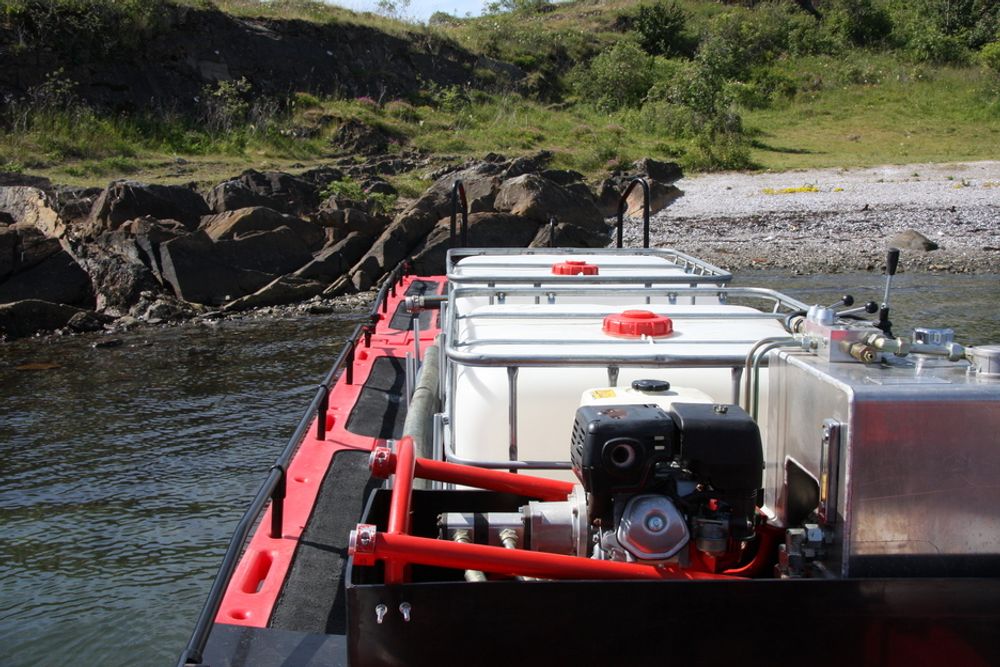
404	609
380	611
655	523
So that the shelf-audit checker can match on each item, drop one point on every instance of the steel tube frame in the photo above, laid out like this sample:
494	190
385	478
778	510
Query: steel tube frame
399	549
392	548
384	463
696	266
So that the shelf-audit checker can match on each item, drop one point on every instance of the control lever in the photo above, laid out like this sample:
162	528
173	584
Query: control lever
846	300
871	308
891	262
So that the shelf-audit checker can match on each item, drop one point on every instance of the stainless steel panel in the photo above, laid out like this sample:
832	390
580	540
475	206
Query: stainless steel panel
919	463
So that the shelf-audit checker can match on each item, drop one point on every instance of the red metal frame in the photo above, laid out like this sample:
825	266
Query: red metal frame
399	549
383	463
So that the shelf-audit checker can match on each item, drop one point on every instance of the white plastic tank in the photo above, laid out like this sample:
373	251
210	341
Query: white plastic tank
548	396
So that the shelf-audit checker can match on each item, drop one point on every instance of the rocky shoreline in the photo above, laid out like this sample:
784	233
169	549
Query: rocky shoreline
944	217
273	244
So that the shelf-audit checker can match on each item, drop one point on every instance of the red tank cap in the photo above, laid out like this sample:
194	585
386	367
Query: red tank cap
636	323
572	267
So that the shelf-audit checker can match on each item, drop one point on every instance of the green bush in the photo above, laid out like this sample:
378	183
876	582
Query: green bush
617	77
738	41
860	22
660	28
927	44
990	56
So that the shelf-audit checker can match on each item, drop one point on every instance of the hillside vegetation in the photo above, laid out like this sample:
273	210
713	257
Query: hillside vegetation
712	85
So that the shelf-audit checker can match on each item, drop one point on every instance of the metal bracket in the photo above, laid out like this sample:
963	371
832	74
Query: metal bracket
361	544
829	465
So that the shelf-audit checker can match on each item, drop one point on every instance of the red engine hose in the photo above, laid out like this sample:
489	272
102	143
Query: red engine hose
764	558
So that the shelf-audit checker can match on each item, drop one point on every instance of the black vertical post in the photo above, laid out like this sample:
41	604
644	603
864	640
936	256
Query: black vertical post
622	201
278	505
458	193
324	406
349	364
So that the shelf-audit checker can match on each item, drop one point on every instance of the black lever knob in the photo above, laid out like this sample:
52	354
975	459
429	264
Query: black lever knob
871	307
891	261
846	300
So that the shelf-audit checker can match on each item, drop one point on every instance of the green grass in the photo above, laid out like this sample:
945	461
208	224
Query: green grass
907	115
857	108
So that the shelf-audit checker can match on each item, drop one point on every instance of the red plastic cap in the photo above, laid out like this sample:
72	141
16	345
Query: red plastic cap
636	323
573	267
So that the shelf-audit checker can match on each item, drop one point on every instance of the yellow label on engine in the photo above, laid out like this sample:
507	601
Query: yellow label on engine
603	393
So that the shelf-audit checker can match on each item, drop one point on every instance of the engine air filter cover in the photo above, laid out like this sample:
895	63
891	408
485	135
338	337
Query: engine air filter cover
637	323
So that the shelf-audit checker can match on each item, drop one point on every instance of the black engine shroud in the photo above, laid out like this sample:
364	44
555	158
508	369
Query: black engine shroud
642	448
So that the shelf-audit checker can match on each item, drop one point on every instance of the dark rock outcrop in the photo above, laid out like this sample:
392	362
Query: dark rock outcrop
195	272
279	292
537	198
126	200
659	175
247	221
274	189
486	230
414	223
57	278
334	261
30	316
191	48
568	235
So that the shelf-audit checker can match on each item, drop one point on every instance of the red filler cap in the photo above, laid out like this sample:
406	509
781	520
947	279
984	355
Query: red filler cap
636	323
572	267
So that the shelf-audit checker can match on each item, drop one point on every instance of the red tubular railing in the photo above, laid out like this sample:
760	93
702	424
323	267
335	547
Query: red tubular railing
399	506
383	463
393	548
399	549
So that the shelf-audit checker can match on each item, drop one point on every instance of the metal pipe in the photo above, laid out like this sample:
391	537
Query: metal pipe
399	504
761	354
472	576
458	191
622	201
747	366
424	403
512	412
384	463
396	548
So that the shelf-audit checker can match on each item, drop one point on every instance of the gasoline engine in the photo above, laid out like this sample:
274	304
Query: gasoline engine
653	480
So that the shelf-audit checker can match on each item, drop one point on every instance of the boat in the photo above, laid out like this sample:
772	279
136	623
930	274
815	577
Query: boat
617	456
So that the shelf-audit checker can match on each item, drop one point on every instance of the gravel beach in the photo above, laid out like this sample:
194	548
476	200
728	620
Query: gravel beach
835	220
